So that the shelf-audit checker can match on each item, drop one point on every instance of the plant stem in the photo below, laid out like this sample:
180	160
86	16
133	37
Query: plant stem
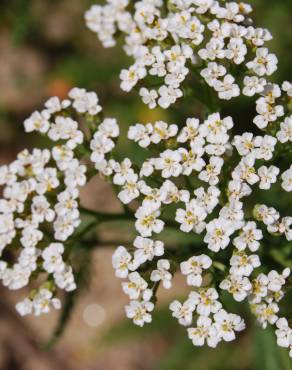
112	217
105	217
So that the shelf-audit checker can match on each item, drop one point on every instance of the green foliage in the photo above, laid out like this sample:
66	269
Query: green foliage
267	355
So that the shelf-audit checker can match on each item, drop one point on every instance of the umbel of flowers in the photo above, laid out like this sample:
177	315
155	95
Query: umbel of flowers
198	176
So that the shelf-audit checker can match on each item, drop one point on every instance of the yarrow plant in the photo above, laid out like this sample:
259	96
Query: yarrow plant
199	177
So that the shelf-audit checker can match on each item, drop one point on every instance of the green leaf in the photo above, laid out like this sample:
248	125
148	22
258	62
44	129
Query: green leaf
267	355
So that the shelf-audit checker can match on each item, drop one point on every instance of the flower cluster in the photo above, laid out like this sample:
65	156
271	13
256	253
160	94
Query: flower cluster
171	41
200	153
39	211
198	177
201	175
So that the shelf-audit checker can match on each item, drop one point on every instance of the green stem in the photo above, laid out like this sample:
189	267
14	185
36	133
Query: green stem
112	217
105	217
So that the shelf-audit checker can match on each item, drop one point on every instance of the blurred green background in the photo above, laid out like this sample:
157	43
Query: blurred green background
45	49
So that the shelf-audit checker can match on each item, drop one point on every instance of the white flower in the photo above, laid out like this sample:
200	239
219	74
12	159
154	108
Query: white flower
162	131
100	145
253	85
265	147
205	331
238	189
169	163
218	234
249	237
65	128
24	307
266	313
52	256
158	67
28	258
131	76
191	159
122	262
268	215
176	57
207	301
162	273
75	175
152	196
259	288
147	168
172	194
193	269
85	102
276	280
191	132
213	72
130	190
285	133
67	203
227	324
268	176
192	218
203	5
168	96
63	156
287	179
214	50
141	134
258	36
283	333
109	128
233	213
207	199
54	104
227	89
64	226
65	279
195	30
215	128
122	171
47	180
231	12
242	264
213	169
219	30
264	63
139	312
147	249
183	312
237	285
148	222
267	113
43	301
149	97
15	278
282	227
287	87
135	286
30	236
245	170
38	121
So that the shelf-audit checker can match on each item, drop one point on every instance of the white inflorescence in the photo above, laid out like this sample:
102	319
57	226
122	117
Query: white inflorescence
200	151
39	210
199	170
170	42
